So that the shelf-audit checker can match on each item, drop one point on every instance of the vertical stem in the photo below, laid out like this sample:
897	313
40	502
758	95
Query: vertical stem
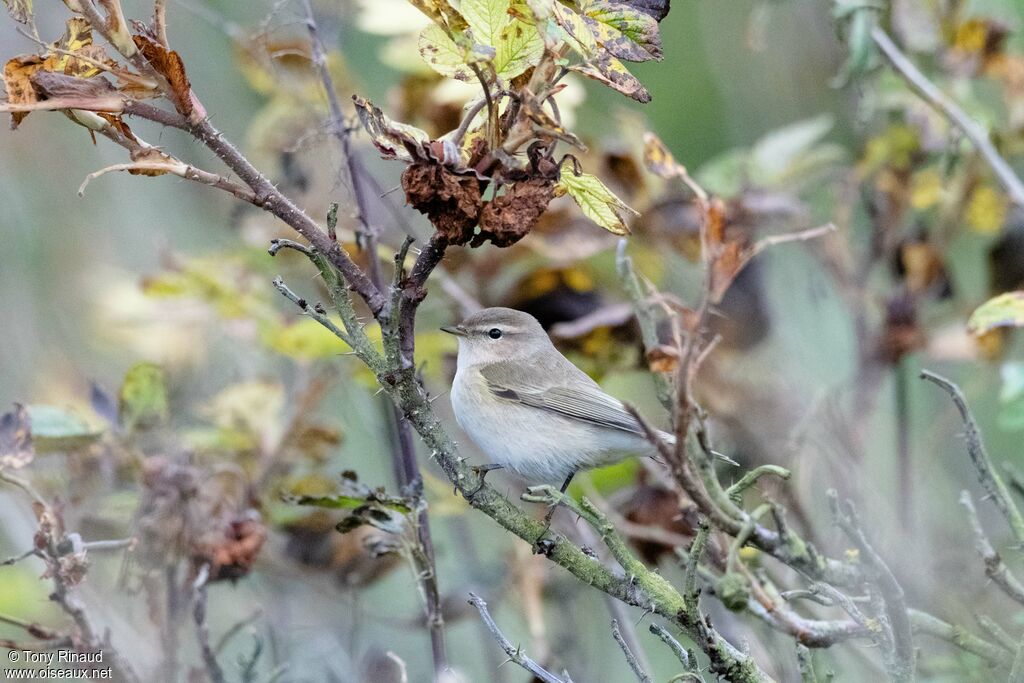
410	480
904	475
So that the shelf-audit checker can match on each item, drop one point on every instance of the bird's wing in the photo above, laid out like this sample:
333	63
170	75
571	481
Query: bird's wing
581	399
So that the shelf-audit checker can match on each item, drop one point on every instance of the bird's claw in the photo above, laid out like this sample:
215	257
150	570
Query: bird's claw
543	546
481	472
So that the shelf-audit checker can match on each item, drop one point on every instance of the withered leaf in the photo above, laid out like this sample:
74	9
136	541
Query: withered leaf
54	85
169	65
608	70
18	81
20	10
16	449
508	218
663	358
659	160
452	202
74	54
394	140
655	8
624	32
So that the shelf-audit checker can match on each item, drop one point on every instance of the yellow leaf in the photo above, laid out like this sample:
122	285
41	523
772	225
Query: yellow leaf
986	212
1005	310
659	160
926	189
304	339
597	202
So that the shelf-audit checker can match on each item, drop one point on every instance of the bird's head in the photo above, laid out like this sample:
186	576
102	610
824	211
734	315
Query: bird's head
497	334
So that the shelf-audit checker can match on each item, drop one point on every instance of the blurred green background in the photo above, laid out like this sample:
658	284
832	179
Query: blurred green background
733	71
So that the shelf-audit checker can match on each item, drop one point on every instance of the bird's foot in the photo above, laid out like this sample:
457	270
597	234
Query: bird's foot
481	472
544	546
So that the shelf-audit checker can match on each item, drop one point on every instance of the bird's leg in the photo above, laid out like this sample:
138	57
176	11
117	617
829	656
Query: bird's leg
538	545
481	471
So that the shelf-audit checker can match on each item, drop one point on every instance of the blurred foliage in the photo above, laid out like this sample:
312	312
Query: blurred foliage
226	398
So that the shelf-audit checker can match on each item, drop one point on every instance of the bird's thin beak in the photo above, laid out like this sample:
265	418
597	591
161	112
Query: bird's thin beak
457	330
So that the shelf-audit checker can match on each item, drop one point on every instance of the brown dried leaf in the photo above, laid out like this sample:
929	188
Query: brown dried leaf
452	202
16	448
18	81
231	551
508	218
169	65
663	358
54	85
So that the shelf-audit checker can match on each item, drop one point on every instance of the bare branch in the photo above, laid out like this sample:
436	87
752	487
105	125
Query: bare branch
641	675
515	654
995	568
990	480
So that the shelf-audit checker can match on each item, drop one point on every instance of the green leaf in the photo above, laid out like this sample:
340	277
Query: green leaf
353	494
442	55
623	31
597	202
1005	310
486	19
790	149
56	429
519	47
143	398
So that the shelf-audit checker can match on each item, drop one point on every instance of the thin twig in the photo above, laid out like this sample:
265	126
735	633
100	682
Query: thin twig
990	480
995	568
952	111
631	659
515	654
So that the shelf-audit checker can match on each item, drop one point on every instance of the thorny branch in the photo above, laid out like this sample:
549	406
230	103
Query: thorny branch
515	654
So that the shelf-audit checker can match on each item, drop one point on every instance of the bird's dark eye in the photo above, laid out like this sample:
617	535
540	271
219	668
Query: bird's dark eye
495	333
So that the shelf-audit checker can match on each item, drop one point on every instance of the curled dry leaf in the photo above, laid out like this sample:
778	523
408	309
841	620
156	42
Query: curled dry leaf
16	448
18	81
452	202
73	57
392	139
662	358
169	65
231	550
508	218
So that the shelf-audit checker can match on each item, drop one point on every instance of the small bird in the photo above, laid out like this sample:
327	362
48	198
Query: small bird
532	411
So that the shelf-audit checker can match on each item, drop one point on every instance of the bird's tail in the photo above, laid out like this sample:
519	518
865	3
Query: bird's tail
670	439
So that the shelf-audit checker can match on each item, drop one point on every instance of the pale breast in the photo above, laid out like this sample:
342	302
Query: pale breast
536	444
